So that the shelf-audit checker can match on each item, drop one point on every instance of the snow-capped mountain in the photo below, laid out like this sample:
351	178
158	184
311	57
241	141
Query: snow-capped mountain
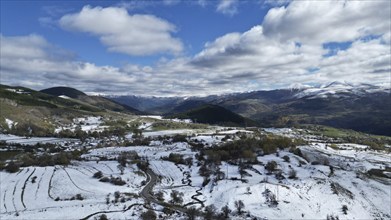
339	89
361	107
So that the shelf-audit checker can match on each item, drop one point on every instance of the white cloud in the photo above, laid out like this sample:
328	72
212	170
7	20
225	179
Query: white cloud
31	59
130	34
364	61
266	58
260	58
228	7
327	21
32	46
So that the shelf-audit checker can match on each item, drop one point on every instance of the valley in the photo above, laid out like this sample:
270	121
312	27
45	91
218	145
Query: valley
195	110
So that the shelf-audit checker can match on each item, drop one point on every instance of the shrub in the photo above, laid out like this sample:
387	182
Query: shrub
175	158
179	138
286	158
117	181
271	166
331	171
377	172
279	175
191	213
103	217
176	197
160	196
189	161
270	198
206	181
98	175
104	179
143	165
297	152
12	167
239	205
148	215
345	209
117	194
332	217
315	163
210	212
140	142
121	168
167	211
79	197
225	210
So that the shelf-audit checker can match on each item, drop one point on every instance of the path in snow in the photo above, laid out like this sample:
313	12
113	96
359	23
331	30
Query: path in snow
70	178
24	187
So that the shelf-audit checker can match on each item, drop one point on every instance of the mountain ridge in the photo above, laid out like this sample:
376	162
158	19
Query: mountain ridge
335	104
97	101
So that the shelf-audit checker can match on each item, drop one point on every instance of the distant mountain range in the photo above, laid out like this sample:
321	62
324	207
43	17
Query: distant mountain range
361	107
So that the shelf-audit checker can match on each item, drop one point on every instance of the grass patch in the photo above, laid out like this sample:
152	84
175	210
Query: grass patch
8	155
170	125
376	142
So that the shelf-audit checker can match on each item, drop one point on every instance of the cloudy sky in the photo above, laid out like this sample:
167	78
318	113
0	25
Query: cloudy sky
198	47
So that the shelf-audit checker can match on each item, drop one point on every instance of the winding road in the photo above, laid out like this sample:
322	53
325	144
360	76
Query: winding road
146	193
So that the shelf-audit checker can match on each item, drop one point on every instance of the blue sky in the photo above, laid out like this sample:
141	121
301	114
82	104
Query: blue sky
196	24
176	47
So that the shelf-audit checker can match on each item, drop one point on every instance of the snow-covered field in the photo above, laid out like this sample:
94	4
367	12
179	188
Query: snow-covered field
327	179
49	196
168	119
310	196
169	132
90	123
13	139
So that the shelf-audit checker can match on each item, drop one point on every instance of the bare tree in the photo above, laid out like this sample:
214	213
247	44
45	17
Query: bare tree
239	205
226	211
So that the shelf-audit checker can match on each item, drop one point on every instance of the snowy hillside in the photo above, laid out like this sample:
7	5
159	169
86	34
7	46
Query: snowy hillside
339	89
322	178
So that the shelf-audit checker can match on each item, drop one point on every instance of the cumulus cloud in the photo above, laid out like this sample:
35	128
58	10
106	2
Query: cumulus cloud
365	61
267	57
32	59
260	58
130	34
327	21
228	7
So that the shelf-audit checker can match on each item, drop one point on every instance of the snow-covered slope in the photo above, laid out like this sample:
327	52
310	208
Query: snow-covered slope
330	180
339	89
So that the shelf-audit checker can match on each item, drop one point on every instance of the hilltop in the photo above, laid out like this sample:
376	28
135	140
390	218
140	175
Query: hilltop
26	111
